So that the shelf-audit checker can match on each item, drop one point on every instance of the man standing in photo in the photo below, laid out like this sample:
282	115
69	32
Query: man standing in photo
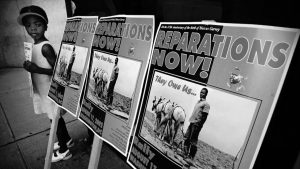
71	62
197	119
113	80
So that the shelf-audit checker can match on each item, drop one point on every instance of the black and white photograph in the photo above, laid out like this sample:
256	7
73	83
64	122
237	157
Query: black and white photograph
67	109
196	125
69	67
112	82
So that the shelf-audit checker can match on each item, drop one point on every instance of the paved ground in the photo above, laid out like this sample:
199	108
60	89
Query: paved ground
24	135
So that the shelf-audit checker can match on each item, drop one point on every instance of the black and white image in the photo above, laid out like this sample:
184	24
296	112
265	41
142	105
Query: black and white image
196	125
69	68
112	83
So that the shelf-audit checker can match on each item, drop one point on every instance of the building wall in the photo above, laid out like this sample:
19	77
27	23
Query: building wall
13	35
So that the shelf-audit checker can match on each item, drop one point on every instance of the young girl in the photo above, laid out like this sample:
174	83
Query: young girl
35	21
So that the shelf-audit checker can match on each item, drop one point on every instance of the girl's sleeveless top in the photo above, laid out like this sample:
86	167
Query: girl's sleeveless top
41	83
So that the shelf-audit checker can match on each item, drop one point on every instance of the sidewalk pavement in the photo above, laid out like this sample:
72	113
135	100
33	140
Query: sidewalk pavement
24	135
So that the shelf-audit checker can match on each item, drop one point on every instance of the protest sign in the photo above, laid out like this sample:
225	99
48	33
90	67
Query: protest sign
209	95
72	61
119	58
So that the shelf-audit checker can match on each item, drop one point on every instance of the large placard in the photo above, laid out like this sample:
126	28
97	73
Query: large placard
72	62
118	62
209	95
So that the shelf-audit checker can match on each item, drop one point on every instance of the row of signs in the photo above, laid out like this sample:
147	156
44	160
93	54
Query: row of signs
140	96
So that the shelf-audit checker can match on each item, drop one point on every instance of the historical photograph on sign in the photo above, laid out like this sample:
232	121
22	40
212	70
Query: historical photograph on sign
69	67
196	125
112	83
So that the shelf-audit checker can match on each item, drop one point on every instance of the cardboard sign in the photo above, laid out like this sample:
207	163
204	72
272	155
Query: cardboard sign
209	95
119	58
28	56
72	62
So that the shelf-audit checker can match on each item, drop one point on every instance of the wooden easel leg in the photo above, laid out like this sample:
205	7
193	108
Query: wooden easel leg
51	140
95	153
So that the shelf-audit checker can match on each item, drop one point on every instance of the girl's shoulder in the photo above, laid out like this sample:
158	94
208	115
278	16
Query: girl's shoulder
46	44
46	47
